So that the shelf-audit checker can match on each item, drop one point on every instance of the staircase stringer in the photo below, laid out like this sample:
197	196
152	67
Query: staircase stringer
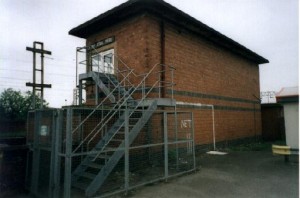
103	87
108	136
114	159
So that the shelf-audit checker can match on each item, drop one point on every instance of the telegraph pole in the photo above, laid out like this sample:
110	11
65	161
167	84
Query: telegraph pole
38	86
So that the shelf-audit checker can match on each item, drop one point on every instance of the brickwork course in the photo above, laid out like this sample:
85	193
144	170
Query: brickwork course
211	68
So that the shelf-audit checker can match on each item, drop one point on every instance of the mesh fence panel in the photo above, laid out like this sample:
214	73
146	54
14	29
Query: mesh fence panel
41	129
30	127
43	185
79	147
146	164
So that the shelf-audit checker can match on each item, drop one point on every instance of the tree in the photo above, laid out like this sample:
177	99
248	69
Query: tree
14	106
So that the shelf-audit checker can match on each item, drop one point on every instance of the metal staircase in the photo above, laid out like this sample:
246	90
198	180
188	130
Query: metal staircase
126	117
106	83
108	152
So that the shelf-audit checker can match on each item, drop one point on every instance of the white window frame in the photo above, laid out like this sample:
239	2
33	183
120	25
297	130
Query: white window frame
102	66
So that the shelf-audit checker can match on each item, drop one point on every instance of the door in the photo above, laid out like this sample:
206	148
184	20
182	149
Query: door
103	62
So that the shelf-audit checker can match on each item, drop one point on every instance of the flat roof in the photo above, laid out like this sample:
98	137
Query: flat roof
169	13
288	92
288	95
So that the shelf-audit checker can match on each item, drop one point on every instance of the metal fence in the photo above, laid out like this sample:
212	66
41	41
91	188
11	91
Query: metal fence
70	161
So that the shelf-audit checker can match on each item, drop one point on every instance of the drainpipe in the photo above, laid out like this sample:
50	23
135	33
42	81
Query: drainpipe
254	115
162	58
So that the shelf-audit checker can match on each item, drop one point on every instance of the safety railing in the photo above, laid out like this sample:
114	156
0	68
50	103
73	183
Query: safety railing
140	91
117	107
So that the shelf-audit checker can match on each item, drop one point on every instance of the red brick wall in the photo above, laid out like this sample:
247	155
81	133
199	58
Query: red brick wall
131	46
205	73
204	67
221	78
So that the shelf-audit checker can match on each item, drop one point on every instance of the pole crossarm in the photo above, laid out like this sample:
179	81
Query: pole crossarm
28	84
40	51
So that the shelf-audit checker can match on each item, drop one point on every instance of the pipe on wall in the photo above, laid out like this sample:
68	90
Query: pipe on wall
162	57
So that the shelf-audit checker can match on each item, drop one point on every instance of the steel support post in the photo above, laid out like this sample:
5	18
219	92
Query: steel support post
193	139
96	94
52	149
80	92
214	130
42	75
166	145
36	154
68	157
126	151
57	151
176	137
34	77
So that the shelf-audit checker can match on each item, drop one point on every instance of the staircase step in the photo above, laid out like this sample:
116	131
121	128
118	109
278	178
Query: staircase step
81	185
130	119
101	156
94	165
116	140
121	132
110	149
88	175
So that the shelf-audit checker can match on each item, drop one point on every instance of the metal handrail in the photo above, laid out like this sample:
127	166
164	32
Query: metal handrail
95	109
133	110
128	68
125	78
121	101
99	151
141	83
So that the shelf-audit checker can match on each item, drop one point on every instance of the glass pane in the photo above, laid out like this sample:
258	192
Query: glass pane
108	63
96	63
103	62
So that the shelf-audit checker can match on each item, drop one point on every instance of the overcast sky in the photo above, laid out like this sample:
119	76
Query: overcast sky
267	27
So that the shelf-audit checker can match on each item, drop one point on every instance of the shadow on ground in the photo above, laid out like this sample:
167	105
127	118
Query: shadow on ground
237	174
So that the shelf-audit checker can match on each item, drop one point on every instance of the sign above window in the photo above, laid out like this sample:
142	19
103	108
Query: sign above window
101	43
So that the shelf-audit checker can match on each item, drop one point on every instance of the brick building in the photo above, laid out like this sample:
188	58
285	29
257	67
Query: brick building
148	66
211	69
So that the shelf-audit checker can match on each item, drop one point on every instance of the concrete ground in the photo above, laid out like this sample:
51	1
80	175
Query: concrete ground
238	174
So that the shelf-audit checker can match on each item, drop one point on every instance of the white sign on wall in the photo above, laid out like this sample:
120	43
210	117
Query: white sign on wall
186	123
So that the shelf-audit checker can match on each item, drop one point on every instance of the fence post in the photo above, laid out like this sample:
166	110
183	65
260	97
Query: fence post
57	151
166	145
80	93
126	151
68	159
193	139
36	153
52	133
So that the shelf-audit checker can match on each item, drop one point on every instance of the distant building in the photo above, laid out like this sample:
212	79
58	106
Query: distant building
289	98
267	97
211	69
